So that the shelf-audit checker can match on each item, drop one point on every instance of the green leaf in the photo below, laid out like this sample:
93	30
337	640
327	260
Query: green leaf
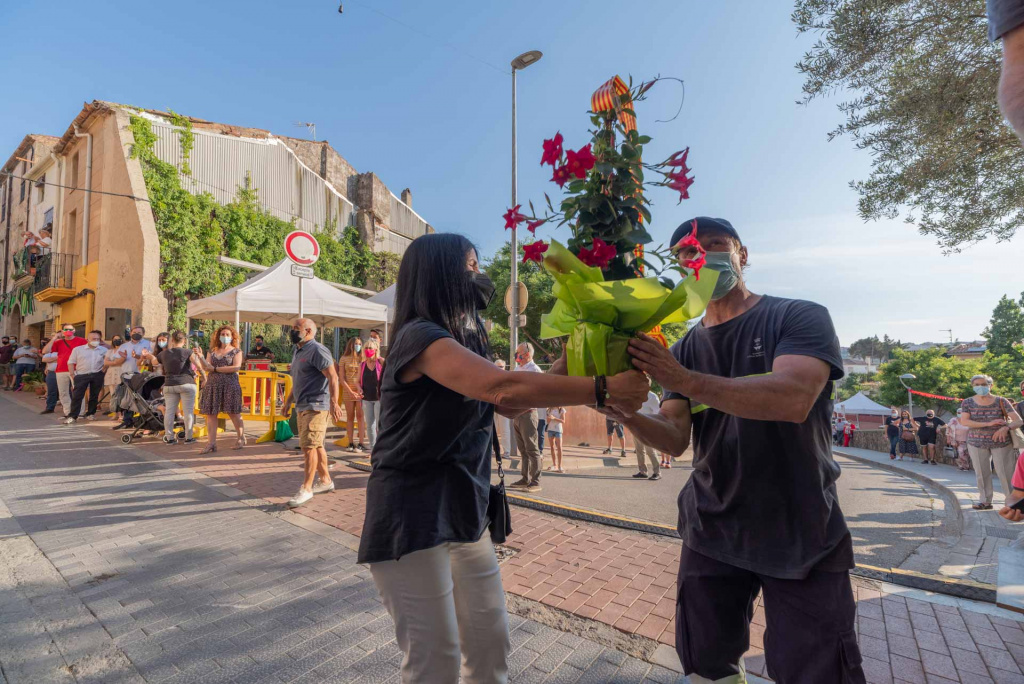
646	214
644	139
577	185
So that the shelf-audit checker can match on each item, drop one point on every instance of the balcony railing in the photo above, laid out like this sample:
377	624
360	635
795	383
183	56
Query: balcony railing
22	262
54	270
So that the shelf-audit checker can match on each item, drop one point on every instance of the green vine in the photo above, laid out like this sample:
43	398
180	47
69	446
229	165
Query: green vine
185	137
195	229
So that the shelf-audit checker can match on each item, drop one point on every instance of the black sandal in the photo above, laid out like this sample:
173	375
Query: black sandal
982	507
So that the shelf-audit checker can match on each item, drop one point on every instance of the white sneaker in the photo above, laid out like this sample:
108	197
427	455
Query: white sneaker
69	421
321	488
301	497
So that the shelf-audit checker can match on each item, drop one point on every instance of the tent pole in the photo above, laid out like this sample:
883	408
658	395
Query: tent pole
236	319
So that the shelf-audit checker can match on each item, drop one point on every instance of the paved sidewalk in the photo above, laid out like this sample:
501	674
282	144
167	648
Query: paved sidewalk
974	555
613	587
115	568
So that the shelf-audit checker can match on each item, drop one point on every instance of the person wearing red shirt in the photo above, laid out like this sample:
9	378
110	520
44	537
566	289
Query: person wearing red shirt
63	346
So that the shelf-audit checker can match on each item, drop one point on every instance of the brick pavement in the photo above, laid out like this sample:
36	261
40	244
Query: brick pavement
116	568
626	580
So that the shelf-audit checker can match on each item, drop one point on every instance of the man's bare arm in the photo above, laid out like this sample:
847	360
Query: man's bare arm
787	394
667	431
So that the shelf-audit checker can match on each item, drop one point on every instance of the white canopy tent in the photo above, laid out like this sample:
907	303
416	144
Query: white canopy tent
387	298
273	297
861	404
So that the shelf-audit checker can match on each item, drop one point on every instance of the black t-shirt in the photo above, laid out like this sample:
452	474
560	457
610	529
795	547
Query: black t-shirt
762	495
371	388
1003	17
259	354
176	366
892	426
929	427
431	467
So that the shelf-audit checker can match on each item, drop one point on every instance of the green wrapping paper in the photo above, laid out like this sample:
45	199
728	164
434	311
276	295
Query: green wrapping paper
600	317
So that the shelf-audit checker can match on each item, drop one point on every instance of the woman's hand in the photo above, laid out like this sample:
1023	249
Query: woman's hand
627	391
1001	435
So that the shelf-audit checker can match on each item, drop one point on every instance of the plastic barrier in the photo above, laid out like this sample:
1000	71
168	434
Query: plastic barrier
261	393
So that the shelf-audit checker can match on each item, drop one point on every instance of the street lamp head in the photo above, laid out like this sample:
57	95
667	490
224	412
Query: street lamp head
908	376
526	59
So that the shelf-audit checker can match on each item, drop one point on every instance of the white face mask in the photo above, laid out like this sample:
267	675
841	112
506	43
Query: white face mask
225	339
94	343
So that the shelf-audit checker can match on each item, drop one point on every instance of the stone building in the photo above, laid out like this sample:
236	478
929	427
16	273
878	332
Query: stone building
104	267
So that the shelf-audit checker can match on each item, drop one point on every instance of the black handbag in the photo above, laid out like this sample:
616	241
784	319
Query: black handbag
497	507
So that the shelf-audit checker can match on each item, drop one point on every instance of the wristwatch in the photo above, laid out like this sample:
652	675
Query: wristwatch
600	390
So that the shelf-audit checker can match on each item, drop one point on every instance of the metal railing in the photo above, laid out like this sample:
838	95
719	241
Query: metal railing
54	270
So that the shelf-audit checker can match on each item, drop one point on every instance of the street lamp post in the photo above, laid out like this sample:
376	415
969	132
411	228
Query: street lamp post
521	62
910	395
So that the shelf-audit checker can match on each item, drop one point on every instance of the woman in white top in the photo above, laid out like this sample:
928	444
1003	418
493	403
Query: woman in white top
555	424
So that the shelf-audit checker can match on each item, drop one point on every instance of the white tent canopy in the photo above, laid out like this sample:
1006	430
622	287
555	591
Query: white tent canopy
273	297
387	298
861	404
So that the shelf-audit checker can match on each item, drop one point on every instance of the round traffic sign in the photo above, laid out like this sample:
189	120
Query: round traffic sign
524	297
302	248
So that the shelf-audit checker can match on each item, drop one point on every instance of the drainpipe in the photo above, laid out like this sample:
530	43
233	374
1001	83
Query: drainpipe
88	193
7	232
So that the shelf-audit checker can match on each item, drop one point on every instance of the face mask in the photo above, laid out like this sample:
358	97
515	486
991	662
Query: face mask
69	333
370	353
225	339
295	336
930	415
484	288
358	348
94	343
163	343
982	390
727	276
27	345
259	344
116	342
895	415
136	337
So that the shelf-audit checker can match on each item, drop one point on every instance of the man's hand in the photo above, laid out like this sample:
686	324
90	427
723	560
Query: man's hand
1012	514
657	361
335	412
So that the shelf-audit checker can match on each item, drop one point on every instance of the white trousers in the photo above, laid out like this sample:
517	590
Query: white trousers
448	606
64	390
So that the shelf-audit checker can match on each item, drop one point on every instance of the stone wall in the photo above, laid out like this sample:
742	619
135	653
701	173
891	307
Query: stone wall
325	161
875	440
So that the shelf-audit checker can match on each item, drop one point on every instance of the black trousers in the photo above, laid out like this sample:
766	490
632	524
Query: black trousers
809	637
86	381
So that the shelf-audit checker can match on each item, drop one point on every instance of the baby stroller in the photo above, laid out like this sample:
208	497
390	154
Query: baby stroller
141	393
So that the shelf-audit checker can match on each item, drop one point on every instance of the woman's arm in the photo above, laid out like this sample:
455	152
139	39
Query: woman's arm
236	364
341	377
450	364
965	419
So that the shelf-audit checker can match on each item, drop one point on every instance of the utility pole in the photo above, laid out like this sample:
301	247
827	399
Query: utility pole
950	331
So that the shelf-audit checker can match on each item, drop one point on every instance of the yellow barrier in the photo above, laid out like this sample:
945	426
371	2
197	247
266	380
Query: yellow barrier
260	394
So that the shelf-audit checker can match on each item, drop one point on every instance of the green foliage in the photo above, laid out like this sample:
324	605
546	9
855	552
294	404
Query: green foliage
195	229
946	376
872	347
923	77
856	382
1006	328
539	284
185	138
674	332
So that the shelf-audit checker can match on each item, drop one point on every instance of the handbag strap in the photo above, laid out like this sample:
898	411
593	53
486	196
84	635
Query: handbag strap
497	456
1006	416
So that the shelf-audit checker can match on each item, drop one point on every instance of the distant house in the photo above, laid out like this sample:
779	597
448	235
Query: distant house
858	365
923	346
968	350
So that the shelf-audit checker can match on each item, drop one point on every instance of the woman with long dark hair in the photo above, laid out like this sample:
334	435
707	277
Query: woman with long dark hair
425	531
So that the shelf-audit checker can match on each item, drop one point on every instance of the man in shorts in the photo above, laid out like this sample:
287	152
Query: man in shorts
612	427
315	396
6	354
928	434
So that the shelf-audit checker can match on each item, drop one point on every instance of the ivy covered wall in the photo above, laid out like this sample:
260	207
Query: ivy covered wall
195	229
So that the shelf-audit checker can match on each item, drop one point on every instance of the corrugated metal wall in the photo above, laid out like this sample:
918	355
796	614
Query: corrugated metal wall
286	188
405	221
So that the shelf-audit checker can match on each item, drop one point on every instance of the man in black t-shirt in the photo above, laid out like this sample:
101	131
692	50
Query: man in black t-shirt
754	382
928	434
259	352
892	430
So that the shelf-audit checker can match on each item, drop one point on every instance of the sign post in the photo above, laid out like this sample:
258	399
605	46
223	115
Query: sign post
303	250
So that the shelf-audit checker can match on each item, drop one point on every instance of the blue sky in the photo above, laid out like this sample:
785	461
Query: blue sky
426	112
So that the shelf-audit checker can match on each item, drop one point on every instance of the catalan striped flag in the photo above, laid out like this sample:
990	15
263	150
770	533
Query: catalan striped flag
609	97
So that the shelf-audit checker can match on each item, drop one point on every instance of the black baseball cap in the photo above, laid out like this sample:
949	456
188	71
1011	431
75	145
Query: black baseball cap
704	223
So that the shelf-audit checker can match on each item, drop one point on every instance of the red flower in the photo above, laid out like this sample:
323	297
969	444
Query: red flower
561	175
680	183
690	240
534	252
678	159
599	254
513	218
532	226
552	150
580	161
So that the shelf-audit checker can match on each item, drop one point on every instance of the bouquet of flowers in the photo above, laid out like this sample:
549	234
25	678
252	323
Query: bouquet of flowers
603	295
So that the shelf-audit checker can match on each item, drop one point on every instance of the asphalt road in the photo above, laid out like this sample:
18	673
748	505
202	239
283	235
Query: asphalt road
889	515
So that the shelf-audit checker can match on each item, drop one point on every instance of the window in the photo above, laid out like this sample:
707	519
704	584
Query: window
3	202
22	198
70	233
74	172
48	219
40	188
